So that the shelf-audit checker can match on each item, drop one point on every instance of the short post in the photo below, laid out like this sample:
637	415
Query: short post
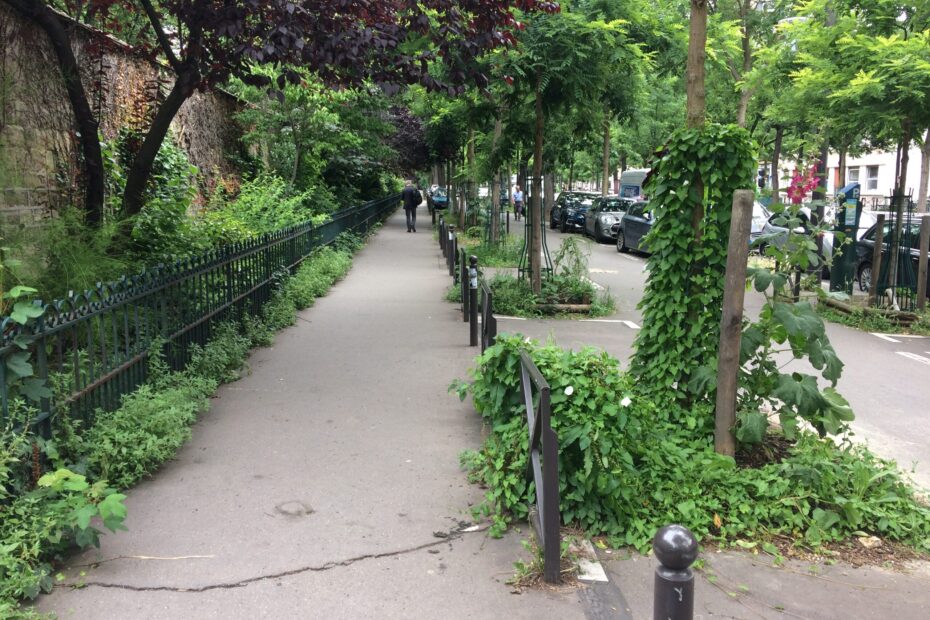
922	252
508	222
877	259
676	549
452	250
473	301
442	235
463	281
731	322
432	213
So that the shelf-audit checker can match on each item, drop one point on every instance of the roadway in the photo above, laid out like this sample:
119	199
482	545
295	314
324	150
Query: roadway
886	378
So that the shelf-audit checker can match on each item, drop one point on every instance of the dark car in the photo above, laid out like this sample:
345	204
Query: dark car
569	208
437	198
632	227
603	214
865	247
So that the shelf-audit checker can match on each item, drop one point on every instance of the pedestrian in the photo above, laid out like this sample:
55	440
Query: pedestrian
412	200
517	203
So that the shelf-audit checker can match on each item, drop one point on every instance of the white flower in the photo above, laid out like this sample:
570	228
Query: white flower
626	401
569	391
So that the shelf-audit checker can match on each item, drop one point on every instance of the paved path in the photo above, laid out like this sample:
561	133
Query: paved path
325	484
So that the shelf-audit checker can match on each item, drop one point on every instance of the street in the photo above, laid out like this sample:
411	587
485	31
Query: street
886	378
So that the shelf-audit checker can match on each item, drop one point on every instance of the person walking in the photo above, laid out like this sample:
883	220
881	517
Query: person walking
412	199
517	203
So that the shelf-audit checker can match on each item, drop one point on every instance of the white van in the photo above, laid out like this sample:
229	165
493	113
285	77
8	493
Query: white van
631	182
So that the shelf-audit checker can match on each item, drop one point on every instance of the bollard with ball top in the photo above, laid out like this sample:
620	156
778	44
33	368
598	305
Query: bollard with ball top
676	548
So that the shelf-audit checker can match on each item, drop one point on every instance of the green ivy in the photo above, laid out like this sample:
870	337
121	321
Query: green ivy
684	290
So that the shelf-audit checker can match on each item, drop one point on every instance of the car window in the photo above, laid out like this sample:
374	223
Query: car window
635	210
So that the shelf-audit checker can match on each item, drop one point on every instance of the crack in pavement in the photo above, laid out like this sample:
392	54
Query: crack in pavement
443	538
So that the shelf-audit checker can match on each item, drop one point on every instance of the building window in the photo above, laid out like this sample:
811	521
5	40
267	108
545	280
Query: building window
852	175
871	177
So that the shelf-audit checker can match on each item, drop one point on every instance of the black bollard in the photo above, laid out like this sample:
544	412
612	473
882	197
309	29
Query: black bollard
442	235
473	300
452	250
508	222
676	549
463	282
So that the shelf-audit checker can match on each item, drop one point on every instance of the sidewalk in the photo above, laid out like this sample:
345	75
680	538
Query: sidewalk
326	483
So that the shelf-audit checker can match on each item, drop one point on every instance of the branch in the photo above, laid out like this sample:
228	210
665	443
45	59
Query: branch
160	34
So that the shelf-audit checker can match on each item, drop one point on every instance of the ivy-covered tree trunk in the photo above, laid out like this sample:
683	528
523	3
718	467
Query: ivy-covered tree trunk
496	185
697	42
42	16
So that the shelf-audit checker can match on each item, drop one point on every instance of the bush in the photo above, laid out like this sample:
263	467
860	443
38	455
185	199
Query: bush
628	466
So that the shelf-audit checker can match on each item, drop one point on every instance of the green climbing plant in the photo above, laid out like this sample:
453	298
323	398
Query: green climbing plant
684	292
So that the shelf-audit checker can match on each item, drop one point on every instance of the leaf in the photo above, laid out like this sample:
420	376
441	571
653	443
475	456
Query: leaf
19	365
24	310
35	389
84	514
113	511
751	427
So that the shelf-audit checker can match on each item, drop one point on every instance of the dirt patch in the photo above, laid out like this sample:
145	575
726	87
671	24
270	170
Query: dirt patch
772	450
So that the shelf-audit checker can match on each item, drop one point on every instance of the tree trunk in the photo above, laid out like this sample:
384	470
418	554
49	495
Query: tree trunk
40	14
745	94
697	41
571	171
900	199
536	212
924	174
141	170
549	194
496	185
776	156
841	169
471	185
606	176
298	154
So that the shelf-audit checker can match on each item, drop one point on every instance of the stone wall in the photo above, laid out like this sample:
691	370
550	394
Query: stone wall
39	165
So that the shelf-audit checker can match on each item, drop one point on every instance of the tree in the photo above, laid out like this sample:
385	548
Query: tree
42	15
345	42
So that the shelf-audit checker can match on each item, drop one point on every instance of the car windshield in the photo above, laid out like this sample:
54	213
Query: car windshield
613	205
439	192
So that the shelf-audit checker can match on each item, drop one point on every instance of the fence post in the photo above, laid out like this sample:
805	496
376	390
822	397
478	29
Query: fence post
676	549
924	247
473	300
463	284
453	250
877	259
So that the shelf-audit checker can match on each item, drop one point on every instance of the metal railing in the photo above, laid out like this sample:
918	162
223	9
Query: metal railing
542	466
93	347
488	320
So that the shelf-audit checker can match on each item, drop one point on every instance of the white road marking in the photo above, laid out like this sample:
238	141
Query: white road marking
915	357
628	257
510	318
596	270
590	570
885	337
629	324
593	283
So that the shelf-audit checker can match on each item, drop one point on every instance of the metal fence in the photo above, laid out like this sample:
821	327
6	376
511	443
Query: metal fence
542	467
93	347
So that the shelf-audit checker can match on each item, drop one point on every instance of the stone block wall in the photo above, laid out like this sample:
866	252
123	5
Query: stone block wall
39	151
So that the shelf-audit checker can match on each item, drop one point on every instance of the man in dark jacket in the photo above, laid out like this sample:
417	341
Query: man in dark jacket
412	200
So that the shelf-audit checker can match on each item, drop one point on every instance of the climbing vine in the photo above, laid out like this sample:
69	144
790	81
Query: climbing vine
684	292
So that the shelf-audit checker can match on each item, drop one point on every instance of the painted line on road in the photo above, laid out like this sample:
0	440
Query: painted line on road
593	283
628	257
509	318
915	357
589	568
893	337
596	270
629	324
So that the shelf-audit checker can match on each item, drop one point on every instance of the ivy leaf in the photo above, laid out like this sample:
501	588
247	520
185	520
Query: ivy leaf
751	427
24	310
19	365
35	389
84	514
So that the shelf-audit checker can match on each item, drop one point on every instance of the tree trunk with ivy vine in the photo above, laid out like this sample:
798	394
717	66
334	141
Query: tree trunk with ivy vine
924	174
900	198
606	155
776	156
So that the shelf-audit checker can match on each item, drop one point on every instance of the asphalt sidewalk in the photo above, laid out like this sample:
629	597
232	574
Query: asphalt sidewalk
326	482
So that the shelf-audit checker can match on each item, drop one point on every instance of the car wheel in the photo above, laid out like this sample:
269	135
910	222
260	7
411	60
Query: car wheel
552	223
563	227
621	242
598	235
865	278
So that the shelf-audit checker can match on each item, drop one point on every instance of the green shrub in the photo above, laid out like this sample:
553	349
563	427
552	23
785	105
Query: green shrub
628	466
512	296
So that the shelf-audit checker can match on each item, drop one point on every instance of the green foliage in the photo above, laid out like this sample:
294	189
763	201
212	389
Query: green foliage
874	322
628	466
325	267
684	291
512	296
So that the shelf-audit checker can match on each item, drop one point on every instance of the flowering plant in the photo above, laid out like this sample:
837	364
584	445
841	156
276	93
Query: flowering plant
803	184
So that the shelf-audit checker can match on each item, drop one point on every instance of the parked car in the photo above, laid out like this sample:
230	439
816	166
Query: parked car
865	247
568	206
633	226
760	216
437	198
603	214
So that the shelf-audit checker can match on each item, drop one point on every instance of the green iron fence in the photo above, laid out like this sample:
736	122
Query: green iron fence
93	347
